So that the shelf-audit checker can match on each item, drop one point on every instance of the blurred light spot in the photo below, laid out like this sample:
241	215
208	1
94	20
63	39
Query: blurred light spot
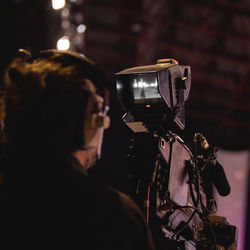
58	4
136	27
77	40
65	24
239	175
73	1
81	28
65	12
78	2
63	43
78	18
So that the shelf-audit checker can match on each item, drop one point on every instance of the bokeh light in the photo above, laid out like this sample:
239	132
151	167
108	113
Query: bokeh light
58	4
63	43
81	28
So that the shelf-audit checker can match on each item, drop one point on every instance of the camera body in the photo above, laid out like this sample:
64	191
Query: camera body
167	180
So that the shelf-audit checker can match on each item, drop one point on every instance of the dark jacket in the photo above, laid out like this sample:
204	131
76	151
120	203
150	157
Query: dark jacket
53	203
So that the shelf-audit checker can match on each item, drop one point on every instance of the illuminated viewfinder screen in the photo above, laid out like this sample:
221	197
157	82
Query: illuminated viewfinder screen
145	86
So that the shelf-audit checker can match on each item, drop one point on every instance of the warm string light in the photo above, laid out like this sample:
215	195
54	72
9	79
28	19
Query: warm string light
71	24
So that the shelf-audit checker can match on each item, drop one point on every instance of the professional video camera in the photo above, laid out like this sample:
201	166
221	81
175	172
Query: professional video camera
171	184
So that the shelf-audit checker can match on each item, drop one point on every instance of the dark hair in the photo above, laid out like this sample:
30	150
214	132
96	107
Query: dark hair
44	98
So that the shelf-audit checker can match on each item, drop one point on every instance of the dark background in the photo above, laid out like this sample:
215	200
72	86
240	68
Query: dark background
213	37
